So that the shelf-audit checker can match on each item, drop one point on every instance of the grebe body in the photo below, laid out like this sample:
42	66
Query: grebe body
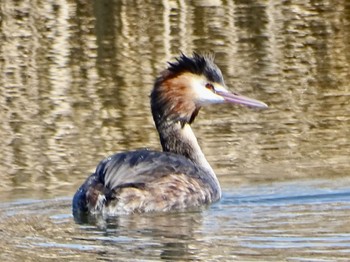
179	177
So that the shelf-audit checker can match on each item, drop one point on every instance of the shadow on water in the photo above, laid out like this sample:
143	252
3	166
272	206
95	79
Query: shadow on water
288	198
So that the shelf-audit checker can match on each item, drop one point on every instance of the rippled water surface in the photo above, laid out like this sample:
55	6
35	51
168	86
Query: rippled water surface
74	86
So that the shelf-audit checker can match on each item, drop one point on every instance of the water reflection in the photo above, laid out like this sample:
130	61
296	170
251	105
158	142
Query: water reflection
75	79
76	83
282	221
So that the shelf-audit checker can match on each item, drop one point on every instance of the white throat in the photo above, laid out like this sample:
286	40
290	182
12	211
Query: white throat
197	156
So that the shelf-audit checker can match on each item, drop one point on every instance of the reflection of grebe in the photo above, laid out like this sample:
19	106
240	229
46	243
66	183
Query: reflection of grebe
180	176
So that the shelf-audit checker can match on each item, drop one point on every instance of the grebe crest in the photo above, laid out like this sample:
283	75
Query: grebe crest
179	177
185	86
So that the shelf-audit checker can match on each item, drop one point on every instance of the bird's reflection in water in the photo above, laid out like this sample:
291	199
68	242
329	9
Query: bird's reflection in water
172	235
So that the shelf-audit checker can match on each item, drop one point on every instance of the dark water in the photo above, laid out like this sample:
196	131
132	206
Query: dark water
75	80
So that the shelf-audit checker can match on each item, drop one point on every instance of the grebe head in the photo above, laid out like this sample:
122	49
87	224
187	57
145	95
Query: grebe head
187	85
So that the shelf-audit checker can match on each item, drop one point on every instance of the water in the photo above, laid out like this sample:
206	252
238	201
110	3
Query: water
75	80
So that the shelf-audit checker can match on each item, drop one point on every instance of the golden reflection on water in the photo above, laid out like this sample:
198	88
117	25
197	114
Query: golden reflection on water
74	86
76	79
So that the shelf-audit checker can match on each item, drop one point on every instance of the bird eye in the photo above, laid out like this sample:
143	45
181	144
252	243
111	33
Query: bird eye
210	87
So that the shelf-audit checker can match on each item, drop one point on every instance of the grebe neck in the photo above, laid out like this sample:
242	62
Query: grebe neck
180	139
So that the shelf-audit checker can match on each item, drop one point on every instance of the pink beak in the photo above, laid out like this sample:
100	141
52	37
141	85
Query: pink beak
239	99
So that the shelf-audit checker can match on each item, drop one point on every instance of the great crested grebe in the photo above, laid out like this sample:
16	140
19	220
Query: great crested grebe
179	177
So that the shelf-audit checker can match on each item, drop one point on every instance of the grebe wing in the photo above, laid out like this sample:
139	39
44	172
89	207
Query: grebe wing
142	166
